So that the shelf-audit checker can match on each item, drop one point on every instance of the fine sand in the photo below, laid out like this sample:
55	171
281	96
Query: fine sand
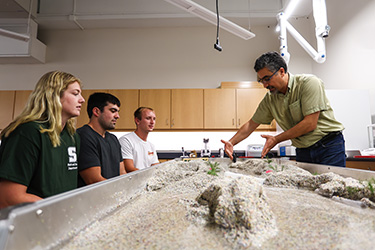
260	206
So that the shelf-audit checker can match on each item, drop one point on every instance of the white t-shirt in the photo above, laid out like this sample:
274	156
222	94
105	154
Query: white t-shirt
142	152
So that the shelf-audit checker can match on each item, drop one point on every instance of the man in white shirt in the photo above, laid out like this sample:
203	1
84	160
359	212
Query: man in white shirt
137	152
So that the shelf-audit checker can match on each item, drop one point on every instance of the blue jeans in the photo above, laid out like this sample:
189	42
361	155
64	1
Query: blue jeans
327	151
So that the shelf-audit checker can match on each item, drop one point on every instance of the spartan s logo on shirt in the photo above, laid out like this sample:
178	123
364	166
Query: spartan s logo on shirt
72	164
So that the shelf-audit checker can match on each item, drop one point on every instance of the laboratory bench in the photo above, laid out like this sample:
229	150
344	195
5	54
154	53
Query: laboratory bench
364	163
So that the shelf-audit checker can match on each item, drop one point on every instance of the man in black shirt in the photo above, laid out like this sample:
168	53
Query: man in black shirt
100	157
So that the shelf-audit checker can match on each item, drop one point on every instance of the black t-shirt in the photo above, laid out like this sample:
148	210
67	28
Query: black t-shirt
98	151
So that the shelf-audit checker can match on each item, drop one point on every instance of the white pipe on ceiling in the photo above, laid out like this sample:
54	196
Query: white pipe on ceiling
211	17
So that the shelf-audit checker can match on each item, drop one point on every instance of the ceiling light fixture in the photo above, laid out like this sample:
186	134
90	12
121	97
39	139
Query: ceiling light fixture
211	17
321	31
290	8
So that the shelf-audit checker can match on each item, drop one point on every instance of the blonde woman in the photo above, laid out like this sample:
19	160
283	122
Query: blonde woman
38	151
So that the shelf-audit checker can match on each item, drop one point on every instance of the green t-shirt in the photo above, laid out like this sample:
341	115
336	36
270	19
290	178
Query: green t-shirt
27	157
305	95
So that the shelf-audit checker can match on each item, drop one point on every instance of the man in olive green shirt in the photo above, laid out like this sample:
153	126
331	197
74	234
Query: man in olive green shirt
299	105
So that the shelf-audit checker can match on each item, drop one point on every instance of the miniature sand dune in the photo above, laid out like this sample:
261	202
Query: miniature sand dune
291	176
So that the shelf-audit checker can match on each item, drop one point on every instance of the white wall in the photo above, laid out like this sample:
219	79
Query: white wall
354	114
350	47
145	58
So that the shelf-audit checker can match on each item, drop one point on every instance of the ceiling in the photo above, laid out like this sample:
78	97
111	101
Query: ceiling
89	14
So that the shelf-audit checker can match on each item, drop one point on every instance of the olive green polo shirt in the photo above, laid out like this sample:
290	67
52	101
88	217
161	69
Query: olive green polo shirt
305	95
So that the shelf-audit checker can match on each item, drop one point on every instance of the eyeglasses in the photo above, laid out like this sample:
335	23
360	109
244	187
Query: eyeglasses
266	79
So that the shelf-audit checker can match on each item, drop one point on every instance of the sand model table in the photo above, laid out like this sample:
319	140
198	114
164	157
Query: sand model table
255	204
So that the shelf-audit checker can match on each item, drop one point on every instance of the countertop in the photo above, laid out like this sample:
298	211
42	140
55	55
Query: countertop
172	154
359	158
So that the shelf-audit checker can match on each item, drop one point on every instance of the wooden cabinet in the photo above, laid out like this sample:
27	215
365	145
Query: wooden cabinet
14	102
160	101
129	103
21	97
364	165
219	108
247	103
6	104
174	108
187	109
231	108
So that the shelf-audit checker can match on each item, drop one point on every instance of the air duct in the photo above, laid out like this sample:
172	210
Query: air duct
18	36
19	47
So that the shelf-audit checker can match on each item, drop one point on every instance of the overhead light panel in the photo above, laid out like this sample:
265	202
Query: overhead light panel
321	31
290	8
211	17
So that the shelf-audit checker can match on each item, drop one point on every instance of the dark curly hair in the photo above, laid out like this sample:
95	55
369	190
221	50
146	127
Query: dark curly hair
270	60
100	100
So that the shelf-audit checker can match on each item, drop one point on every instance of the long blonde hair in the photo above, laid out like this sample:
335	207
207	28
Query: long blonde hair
44	105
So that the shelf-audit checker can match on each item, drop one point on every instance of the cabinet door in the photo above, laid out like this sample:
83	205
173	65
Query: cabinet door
247	103
83	118
129	99
160	101
219	108
187	109
6	104
21	97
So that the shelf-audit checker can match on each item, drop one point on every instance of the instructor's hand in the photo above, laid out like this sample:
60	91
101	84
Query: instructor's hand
270	143
228	148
